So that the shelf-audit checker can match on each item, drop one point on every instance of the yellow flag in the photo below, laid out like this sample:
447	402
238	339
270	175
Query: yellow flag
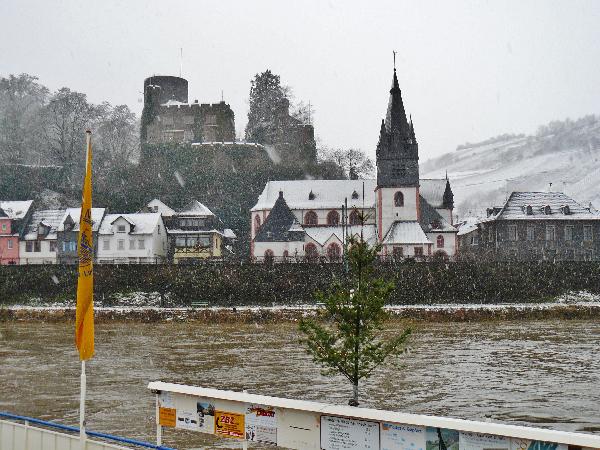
84	319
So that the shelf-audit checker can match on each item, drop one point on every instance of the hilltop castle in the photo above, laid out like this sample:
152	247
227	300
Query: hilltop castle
168	117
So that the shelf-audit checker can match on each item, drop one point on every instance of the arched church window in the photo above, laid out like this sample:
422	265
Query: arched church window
354	218
256	223
333	252
399	199
311	218
333	218
440	241
311	252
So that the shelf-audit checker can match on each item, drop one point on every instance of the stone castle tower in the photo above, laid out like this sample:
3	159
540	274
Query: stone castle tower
168	117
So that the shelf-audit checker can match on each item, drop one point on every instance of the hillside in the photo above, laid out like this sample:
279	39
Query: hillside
564	153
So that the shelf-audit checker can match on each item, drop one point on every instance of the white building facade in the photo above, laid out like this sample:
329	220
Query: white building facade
139	238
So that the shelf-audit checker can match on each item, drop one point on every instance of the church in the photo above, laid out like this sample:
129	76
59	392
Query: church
312	219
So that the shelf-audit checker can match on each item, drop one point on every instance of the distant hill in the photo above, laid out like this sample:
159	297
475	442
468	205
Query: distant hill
564	153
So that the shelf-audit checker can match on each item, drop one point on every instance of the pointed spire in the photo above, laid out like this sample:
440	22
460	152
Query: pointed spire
412	131
395	119
448	198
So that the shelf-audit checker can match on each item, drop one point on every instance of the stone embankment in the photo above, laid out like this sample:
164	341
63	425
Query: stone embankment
449	313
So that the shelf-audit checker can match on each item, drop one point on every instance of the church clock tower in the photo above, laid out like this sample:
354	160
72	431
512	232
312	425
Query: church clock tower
397	190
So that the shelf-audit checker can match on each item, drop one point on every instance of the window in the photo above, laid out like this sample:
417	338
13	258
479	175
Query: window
512	232
106	244
474	240
398	252
192	241
398	199
53	246
3	227
440	241
311	218
355	195
141	244
131	244
418	251
29	246
9	244
121	244
547	210
269	256
311	251
491	235
37	246
333	218
286	254
569	233
587	233
529	210
256	223
180	242
333	252
531	233
121	229
354	218
550	232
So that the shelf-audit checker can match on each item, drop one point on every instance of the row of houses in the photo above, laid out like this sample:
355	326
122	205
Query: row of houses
533	226
157	234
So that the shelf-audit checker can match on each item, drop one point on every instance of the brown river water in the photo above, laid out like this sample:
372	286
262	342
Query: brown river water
542	373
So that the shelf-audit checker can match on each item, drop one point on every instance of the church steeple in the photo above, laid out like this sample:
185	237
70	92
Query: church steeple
397	149
395	119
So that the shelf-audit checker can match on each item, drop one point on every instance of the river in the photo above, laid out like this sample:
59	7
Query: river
543	373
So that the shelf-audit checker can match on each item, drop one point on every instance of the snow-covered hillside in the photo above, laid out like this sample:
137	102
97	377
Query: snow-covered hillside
566	154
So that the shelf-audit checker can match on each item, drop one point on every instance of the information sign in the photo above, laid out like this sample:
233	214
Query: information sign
261	424
402	437
229	424
167	417
341	433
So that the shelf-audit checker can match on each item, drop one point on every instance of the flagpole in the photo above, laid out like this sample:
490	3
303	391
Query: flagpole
82	435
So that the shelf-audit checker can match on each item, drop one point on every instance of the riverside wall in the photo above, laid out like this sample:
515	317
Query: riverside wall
229	285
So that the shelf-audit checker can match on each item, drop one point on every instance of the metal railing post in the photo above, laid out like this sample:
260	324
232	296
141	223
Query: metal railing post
158	425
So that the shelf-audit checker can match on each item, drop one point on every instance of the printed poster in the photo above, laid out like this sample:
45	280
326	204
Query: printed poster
165	400
402	437
441	438
261	424
525	444
476	441
187	420
228	424
206	416
167	417
341	433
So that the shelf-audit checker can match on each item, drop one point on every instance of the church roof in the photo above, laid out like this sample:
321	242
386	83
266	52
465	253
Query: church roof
330	194
431	220
280	225
406	232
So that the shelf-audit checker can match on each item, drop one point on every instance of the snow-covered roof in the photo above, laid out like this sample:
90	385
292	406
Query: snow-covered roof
157	206
195	209
468	225
97	215
432	190
406	232
15	210
173	102
328	194
322	234
229	234
516	207
49	217
143	223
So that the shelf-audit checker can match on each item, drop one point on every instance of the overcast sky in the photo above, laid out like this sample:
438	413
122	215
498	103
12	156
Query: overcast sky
467	70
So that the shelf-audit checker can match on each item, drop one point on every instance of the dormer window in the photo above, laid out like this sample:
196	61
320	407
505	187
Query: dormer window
565	210
529	210
311	195
547	210
355	195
